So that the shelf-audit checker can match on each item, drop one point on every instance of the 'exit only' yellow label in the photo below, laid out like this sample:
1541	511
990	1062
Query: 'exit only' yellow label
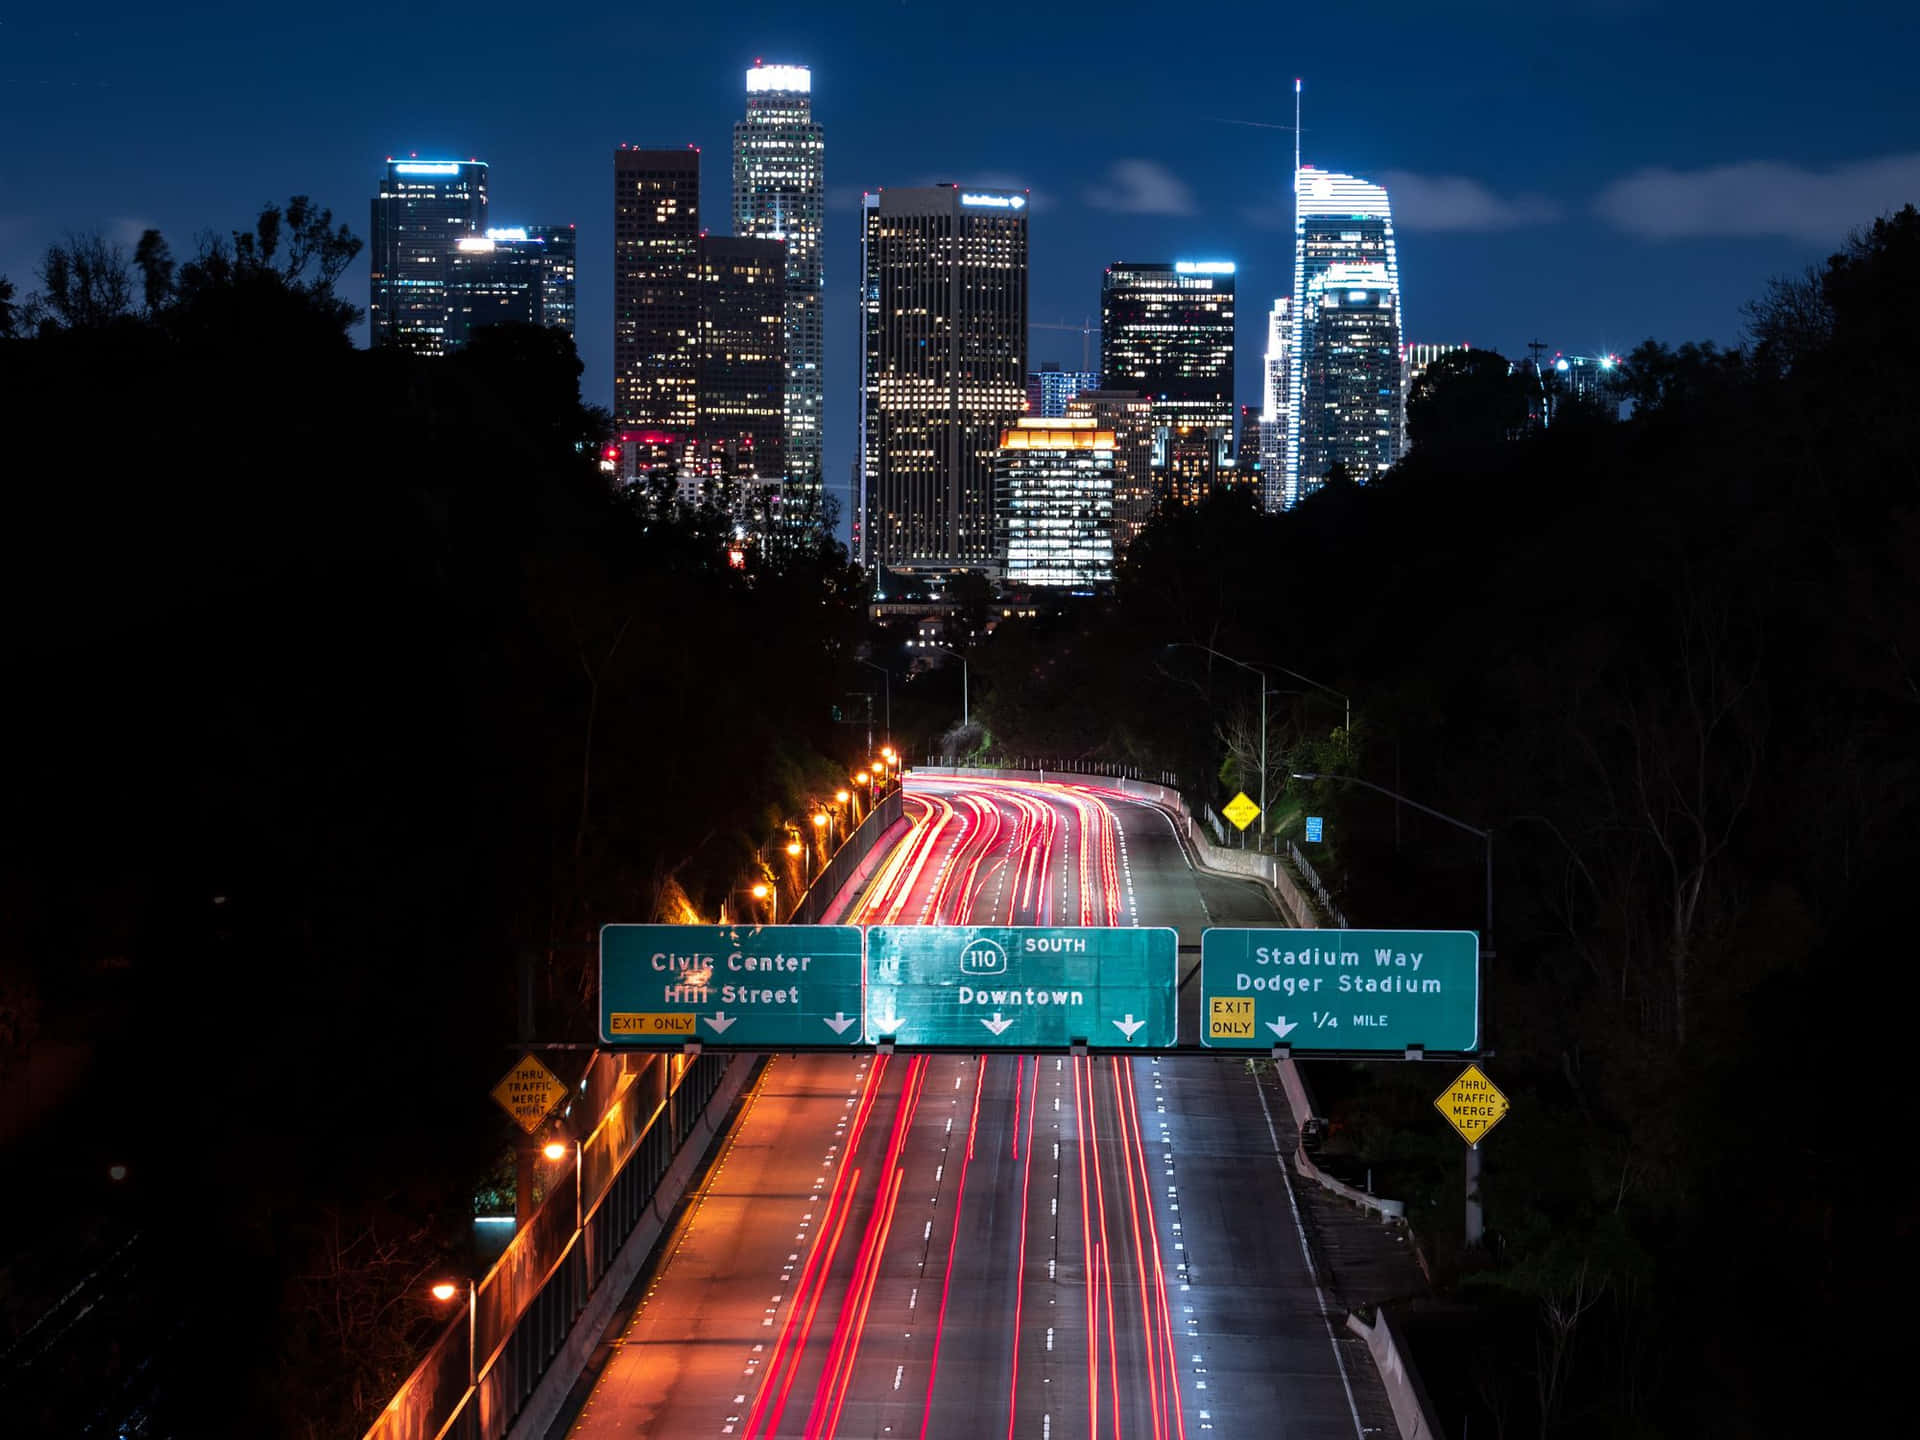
630	1024
1229	1017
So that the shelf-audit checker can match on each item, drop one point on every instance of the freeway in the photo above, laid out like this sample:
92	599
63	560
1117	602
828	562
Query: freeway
964	1246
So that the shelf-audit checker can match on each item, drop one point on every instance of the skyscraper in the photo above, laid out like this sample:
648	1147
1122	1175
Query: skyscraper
558	274
779	192
1166	330
1276	405
424	208
740	421
1350	381
656	238
1053	481
943	303
1049	389
514	273
1129	415
1341	221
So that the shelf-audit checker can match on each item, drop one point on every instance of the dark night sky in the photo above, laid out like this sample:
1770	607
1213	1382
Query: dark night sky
1588	172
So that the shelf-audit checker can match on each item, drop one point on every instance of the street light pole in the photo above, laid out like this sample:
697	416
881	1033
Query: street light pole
966	714
1476	1212
887	675
1253	670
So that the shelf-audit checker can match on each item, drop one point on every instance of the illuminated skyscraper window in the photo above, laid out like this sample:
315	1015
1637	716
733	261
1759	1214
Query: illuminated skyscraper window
1166	330
779	192
943	304
1053	484
424	208
519	274
1276	405
1341	221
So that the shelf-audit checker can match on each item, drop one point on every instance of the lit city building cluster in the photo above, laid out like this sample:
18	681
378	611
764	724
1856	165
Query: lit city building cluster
719	364
439	270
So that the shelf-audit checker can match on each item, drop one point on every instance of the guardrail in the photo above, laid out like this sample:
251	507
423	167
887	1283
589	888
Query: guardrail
1111	769
1308	873
478	1376
479	1373
844	861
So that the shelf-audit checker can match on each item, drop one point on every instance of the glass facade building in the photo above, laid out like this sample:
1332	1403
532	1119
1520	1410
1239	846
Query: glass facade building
1129	415
1276	405
1053	482
943	368
1050	389
1341	395
423	210
656	289
779	192
1350	383
1166	330
516	274
740	421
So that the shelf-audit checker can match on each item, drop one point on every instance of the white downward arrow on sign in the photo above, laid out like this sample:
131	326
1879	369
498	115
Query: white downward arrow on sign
1129	1025
719	1020
837	1022
1281	1027
997	1025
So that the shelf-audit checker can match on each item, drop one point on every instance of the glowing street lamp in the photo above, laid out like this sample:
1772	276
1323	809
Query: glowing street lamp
554	1150
767	893
445	1290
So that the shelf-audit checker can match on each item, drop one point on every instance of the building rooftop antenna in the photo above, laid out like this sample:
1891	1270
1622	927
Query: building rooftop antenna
1296	132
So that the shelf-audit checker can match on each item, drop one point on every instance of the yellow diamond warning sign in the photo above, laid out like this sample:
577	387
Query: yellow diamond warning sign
528	1092
1241	811
1473	1105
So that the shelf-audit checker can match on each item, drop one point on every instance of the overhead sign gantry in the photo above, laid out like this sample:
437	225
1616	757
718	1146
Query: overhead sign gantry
1037	988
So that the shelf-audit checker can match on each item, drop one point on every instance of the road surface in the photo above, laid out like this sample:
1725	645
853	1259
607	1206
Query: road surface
966	1246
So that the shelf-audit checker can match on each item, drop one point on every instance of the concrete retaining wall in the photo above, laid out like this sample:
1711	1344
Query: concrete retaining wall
1411	1411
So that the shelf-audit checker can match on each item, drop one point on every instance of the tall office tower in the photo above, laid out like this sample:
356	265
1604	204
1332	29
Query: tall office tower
779	192
656	309
1166	330
1339	220
510	274
422	212
943	304
557	274
1276	405
1190	464
1049	389
1053	502
1129	414
740	420
1350	381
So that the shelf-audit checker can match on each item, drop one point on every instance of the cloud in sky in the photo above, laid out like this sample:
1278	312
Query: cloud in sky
1142	187
1760	197
1455	202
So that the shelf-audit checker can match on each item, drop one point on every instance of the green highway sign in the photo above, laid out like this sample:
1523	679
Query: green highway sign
1022	987
1340	989
758	987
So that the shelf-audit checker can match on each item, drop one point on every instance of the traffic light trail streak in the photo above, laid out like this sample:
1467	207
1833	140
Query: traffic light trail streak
996	1257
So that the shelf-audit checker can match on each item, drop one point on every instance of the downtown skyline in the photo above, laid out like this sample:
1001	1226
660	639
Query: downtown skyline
1533	197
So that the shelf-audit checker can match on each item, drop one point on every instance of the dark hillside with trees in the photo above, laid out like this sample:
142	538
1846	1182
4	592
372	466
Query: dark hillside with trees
1673	661
341	682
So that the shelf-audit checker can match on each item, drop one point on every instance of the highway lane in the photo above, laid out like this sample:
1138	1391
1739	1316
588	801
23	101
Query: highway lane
963	1246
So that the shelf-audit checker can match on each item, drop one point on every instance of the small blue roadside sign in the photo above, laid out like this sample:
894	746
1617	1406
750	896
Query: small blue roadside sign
1316	827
